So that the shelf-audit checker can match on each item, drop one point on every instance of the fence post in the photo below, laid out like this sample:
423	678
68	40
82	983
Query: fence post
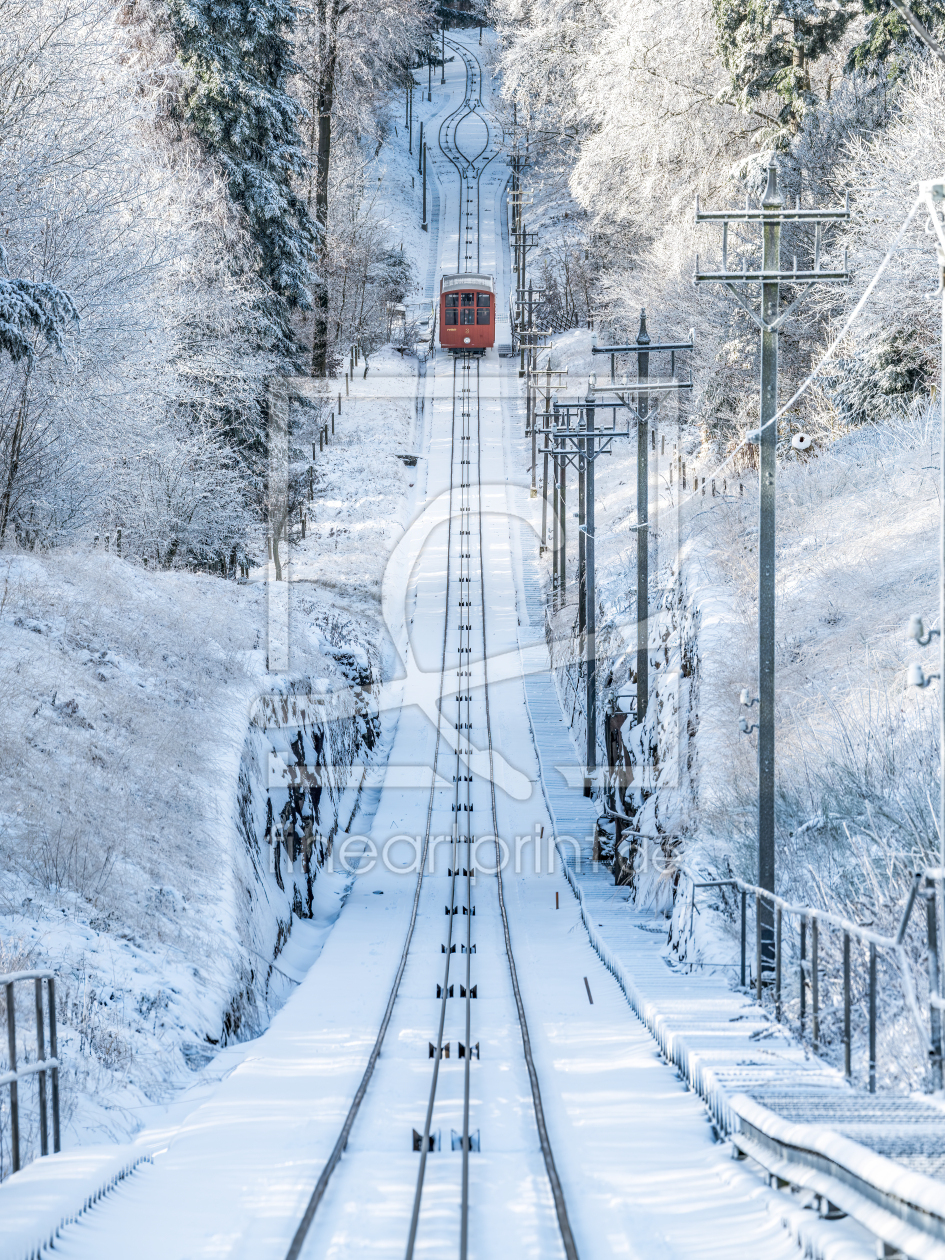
743	938
14	1101
847	1050
563	527
815	981
41	1055
54	1054
583	481
803	971
872	1018
758	945
777	965
935	987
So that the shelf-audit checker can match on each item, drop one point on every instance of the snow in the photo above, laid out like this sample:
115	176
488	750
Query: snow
128	703
228	1165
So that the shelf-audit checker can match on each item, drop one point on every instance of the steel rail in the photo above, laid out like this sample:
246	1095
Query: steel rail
445	144
460	370
428	1120
564	1224
454	119
467	1068
334	1158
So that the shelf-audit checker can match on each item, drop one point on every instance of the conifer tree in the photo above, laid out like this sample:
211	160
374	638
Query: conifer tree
888	37
240	57
769	46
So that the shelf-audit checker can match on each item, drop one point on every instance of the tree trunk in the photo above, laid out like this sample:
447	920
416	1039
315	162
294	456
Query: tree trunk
328	59
275	553
13	464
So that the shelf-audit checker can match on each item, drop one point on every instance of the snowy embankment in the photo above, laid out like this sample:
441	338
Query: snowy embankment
139	721
856	753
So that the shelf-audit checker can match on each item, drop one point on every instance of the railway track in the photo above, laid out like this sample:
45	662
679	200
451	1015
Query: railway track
464	707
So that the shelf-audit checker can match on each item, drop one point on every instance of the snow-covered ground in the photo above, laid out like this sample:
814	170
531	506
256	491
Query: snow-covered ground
642	1173
133	791
108	661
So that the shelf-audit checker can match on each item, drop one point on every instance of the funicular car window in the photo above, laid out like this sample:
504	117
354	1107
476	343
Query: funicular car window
468	315
482	308
452	307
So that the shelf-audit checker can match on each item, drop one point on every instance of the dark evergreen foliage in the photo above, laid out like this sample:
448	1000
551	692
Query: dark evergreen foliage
38	308
240	56
769	46
888	36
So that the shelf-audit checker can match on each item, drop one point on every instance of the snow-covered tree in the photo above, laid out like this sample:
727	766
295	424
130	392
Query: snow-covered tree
352	54
240	59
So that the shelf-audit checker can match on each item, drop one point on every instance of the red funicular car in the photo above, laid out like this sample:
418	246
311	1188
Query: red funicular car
467	313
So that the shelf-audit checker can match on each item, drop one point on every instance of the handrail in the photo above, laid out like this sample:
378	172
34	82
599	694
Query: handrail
41	1067
931	1040
27	975
826	916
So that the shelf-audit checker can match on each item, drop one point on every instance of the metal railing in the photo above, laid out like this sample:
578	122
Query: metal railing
926	885
43	1068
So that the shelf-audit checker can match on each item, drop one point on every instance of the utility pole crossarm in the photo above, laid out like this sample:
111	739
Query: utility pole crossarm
839	276
773	214
642	349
